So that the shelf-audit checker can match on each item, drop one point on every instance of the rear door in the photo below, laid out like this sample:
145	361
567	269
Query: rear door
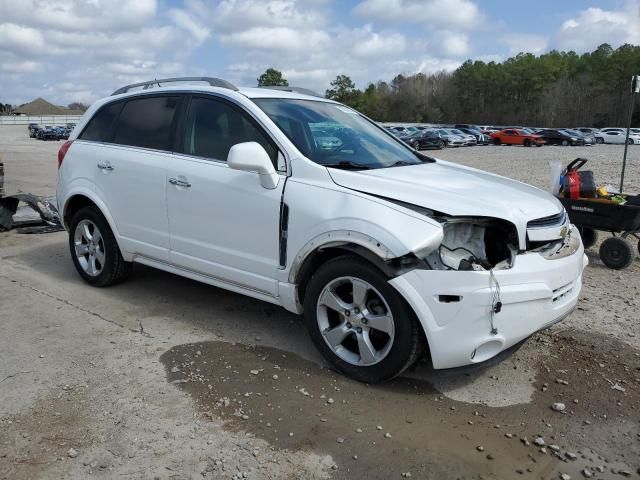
222	222
130	172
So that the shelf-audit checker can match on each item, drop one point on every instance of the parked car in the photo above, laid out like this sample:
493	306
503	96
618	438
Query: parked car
560	137
425	140
386	252
481	138
451	139
33	129
616	136
588	138
61	132
587	130
469	140
47	133
513	136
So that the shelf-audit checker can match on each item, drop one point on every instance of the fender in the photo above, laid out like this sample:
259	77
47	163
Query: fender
337	238
87	192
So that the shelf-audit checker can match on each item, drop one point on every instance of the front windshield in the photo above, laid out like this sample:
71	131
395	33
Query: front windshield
334	135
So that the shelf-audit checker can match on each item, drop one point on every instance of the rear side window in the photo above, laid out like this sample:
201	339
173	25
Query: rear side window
147	122
99	127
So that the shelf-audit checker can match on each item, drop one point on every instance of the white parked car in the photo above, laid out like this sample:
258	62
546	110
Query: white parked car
616	136
386	252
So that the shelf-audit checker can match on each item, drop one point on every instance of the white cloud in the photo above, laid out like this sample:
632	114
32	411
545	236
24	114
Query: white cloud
187	22
525	42
432	65
25	66
276	38
243	14
20	39
452	44
444	13
81	15
375	44
594	26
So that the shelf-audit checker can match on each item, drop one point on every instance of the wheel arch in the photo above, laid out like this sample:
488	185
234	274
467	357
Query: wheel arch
82	198
347	243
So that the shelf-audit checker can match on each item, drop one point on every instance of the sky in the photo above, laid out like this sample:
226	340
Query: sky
82	50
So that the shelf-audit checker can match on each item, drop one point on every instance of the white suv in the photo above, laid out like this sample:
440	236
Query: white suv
305	203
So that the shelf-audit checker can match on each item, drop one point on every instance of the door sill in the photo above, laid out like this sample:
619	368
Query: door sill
206	278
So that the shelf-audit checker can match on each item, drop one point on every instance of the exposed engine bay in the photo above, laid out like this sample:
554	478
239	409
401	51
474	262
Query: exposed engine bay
475	244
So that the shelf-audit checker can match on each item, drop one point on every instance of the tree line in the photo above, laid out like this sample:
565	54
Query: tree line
555	89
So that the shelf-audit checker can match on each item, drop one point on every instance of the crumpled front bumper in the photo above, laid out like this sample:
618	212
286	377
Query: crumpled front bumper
535	293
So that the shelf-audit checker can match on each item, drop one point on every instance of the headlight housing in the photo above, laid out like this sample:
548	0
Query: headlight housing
478	244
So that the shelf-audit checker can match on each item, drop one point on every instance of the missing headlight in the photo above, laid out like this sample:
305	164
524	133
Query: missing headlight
475	244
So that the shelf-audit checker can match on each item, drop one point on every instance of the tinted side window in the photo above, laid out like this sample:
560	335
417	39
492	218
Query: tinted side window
99	127
213	127
146	122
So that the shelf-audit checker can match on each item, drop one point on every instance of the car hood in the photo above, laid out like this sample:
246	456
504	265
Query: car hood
454	190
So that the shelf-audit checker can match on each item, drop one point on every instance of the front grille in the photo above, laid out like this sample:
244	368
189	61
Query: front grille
551	221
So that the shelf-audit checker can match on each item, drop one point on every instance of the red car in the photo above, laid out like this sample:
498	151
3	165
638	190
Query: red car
516	136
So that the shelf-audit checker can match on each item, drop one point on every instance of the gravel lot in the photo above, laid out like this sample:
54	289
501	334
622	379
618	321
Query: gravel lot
156	378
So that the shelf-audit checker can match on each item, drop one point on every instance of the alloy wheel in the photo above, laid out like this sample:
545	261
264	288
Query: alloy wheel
89	247
355	321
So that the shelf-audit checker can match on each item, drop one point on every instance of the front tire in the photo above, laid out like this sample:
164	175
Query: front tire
94	249
527	142
599	140
496	141
360	323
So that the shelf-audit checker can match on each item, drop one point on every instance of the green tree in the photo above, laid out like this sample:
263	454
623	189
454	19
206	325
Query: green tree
272	78
342	90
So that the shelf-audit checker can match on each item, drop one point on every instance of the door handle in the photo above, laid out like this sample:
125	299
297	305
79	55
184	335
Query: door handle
179	182
105	166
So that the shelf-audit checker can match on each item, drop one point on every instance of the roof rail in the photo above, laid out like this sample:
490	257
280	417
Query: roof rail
214	82
304	91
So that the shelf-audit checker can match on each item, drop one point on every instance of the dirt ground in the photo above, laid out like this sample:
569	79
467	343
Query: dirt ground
162	377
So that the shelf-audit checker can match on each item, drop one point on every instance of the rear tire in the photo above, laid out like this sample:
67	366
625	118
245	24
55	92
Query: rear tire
589	236
94	249
396	345
616	253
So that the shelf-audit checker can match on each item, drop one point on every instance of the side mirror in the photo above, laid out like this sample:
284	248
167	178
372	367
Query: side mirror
252	157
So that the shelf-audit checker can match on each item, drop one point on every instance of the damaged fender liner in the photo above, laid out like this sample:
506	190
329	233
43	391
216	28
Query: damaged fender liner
393	267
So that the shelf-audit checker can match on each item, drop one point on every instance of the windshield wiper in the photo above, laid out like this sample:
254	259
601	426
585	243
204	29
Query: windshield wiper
402	163
346	165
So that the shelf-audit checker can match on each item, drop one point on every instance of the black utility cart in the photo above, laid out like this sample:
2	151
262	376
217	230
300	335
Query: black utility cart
623	221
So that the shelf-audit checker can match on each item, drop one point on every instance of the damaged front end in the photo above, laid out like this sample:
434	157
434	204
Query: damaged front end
475	244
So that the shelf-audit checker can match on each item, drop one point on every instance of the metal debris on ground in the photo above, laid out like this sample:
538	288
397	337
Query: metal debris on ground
37	215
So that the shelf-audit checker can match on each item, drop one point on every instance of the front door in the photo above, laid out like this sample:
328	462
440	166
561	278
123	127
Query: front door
222	222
